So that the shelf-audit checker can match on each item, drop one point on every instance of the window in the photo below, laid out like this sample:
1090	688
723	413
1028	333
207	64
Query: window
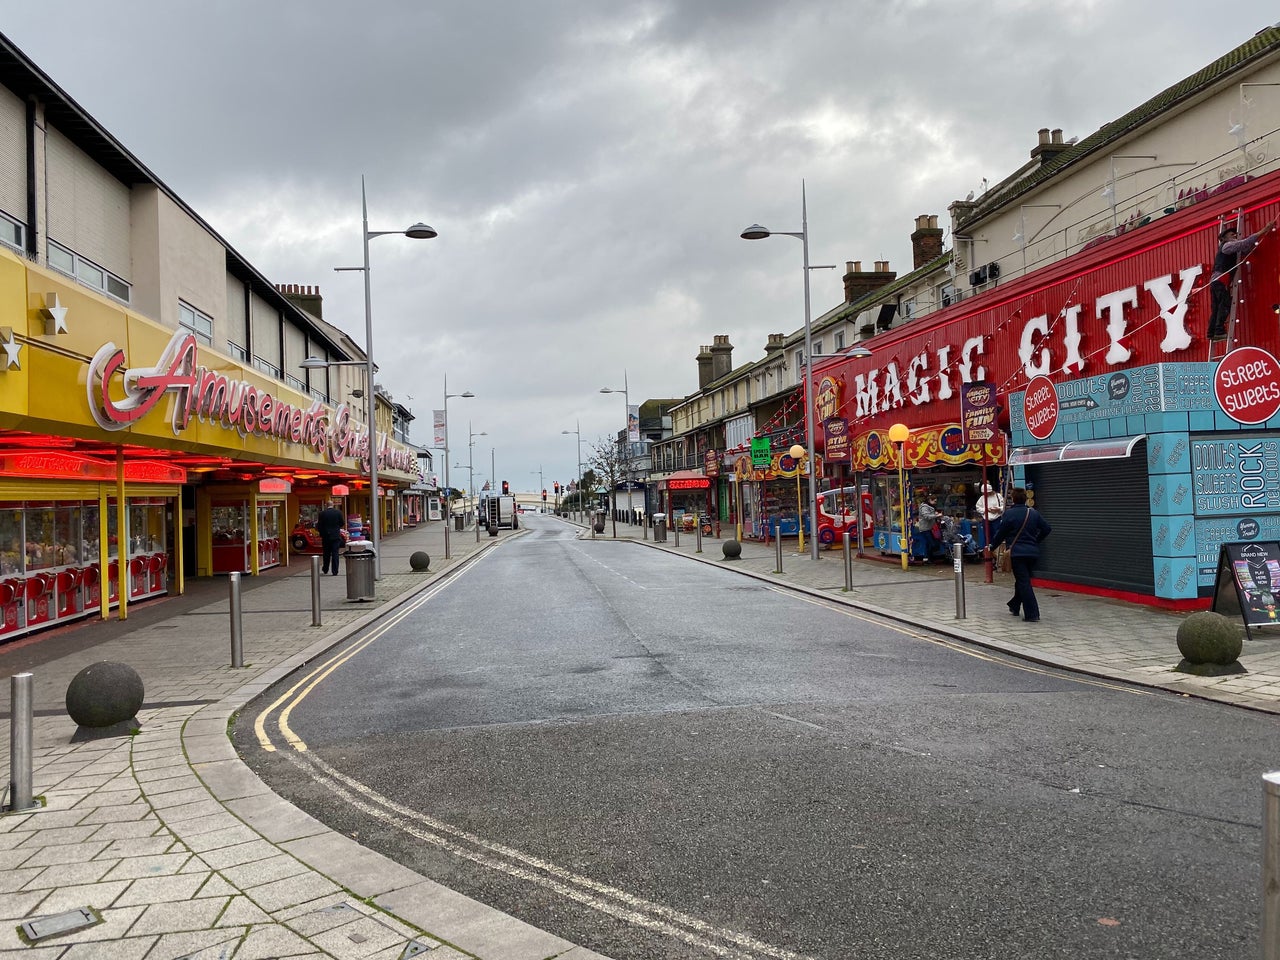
87	272
294	382
270	369
839	340
798	356
948	294
189	318
817	348
11	231
908	309
237	351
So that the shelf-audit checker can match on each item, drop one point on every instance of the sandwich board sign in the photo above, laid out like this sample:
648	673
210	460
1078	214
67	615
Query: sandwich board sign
1247	583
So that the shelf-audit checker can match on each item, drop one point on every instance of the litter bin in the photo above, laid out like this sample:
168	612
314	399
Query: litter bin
459	522
659	528
360	560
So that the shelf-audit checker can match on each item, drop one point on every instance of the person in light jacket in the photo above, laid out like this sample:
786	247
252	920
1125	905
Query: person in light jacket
1022	528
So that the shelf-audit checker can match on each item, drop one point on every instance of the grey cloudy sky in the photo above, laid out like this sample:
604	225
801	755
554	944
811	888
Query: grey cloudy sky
590	165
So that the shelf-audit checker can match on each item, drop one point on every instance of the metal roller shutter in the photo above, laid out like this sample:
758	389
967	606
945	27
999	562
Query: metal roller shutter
1101	516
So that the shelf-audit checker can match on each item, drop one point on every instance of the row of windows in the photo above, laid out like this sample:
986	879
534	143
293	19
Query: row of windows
88	272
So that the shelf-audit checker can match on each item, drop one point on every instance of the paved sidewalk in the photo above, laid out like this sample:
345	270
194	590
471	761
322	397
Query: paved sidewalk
185	853
178	846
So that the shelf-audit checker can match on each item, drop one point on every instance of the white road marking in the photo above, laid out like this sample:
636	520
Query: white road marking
590	893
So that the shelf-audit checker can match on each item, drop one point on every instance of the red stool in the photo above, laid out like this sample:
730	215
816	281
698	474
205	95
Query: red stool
10	606
69	599
113	581
137	576
39	588
156	566
90	578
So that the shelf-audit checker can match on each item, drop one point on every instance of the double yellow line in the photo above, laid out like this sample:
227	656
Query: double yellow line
298	692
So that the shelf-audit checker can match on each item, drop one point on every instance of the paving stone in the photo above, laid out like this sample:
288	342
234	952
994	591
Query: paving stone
70	874
217	886
149	866
361	938
248	875
271	942
99	895
17	906
64	853
160	889
242	911
185	944
214	840
138	847
174	917
254	849
296	890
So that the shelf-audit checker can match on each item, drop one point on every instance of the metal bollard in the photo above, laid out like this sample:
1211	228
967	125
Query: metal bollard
848	564
675	529
1271	866
697	534
315	592
777	543
957	559
237	622
20	750
644	527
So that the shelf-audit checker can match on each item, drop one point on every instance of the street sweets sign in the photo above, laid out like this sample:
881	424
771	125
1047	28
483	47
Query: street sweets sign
1247	385
212	397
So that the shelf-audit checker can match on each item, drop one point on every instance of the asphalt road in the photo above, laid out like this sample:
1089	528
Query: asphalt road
662	759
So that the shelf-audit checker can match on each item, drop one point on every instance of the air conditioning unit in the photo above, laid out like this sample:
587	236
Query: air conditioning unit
978	277
993	270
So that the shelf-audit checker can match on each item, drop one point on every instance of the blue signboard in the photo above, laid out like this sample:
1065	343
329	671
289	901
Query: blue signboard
1236	474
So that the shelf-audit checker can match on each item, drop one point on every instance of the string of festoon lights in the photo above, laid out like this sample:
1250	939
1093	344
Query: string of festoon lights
1019	370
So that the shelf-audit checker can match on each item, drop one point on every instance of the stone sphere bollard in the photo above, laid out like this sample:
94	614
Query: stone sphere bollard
420	560
104	694
1210	645
599	526
732	549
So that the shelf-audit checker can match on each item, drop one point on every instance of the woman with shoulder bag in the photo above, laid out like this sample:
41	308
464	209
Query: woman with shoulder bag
1022	528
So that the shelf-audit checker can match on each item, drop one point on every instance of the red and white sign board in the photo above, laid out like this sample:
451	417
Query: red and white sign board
1247	385
1040	407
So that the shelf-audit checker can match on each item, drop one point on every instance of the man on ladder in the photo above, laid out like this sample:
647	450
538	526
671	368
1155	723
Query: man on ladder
1231	246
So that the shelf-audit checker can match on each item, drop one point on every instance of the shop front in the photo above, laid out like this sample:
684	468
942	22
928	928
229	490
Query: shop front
102	445
686	497
1144	450
774	498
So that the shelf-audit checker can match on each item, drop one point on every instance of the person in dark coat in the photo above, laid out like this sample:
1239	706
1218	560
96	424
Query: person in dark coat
1022	528
1230	248
330	525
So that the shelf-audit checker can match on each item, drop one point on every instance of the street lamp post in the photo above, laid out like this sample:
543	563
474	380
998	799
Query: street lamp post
626	461
471	473
419	231
798	454
898	433
541	490
757	232
578	481
448	516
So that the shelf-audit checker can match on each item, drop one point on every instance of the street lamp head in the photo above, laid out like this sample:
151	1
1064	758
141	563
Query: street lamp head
609	390
858	350
314	363
569	431
797	452
755	232
468	393
420	231
899	432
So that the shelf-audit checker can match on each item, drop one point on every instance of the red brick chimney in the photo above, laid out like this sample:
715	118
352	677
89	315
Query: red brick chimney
926	241
858	282
304	298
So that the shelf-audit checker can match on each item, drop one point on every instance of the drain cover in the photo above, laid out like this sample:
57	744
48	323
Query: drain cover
42	928
415	948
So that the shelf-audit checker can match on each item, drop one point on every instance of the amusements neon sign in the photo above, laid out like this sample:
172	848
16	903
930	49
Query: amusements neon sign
213	397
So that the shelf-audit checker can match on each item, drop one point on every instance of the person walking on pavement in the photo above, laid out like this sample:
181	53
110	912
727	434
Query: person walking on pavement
1230	247
1022	528
329	525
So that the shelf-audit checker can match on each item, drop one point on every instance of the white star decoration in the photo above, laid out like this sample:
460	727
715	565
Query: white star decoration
11	347
55	316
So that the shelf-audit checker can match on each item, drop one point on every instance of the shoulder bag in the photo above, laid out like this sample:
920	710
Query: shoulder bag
1006	552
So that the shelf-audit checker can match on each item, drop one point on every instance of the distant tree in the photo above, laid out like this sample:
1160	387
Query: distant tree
607	463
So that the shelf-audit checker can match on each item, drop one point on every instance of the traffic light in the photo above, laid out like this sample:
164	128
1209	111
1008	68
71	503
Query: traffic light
556	486
544	496
506	488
